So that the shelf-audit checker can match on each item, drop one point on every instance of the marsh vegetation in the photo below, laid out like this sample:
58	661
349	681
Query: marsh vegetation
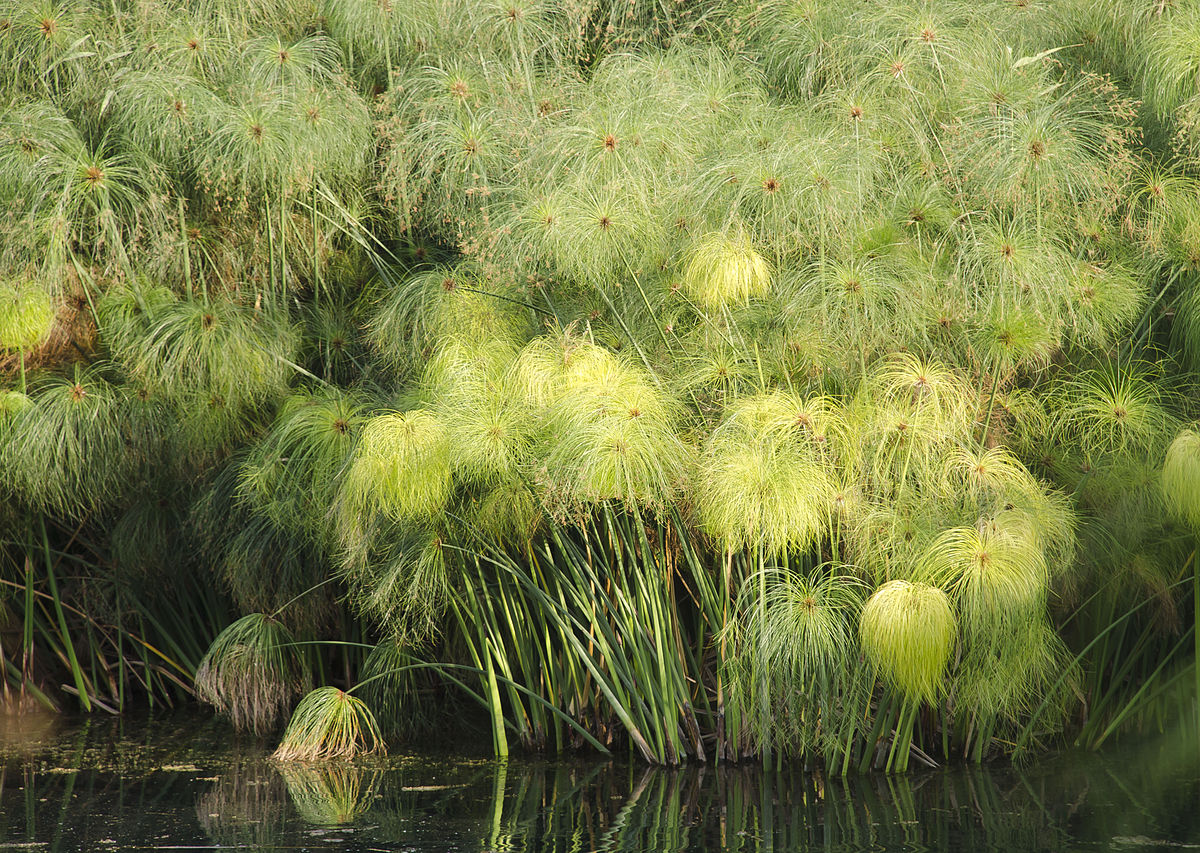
786	379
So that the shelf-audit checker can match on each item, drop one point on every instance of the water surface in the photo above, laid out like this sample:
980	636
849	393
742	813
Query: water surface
186	782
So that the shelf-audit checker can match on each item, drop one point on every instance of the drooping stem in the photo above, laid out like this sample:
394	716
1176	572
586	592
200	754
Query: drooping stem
316	259
629	334
987	418
283	247
183	237
270	241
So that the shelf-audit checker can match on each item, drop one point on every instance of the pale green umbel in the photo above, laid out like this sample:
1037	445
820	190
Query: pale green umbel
1105	299
162	112
1170	65
237	352
327	724
924	385
490	435
402	583
1001	489
1186	326
26	315
800	43
426	310
374	33
908	631
863	301
401	467
1011	672
725	271
805	625
1115	409
984	472
127	311
12	403
611	434
539	372
1181	477
757	485
488	428
508	512
997	572
291	474
67	450
793	653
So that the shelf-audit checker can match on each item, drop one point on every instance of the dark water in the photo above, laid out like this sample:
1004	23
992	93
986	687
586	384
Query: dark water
186	783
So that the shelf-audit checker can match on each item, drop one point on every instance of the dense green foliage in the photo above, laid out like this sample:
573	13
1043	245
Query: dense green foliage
724	378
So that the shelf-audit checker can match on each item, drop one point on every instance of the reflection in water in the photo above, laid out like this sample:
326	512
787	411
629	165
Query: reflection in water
246	805
1144	796
26	731
330	795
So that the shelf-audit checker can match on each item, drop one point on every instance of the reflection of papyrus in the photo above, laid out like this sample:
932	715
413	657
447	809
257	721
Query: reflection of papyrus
330	794
247	805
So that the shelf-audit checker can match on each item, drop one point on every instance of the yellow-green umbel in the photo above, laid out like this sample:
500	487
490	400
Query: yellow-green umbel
401	467
26	316
329	723
12	402
725	271
908	632
1181	477
997	572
